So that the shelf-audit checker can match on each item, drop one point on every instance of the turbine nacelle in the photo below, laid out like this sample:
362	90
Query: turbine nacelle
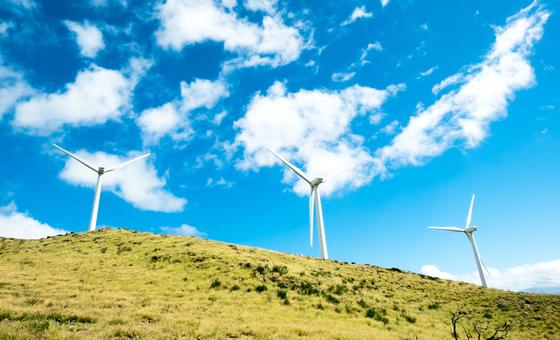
315	182
101	170
471	229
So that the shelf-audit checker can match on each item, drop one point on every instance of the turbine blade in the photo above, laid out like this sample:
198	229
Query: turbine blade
123	164
76	158
485	267
469	216
291	166
456	229
311	208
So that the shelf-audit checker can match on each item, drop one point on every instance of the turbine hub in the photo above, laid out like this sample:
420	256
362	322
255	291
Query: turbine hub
471	229
101	170
317	181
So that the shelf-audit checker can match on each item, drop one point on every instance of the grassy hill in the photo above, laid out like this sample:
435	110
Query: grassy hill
124	284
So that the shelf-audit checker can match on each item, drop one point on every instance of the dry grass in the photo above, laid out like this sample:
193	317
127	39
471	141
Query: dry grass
124	284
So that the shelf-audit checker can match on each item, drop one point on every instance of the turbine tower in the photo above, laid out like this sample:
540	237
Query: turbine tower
100	171
468	231
314	199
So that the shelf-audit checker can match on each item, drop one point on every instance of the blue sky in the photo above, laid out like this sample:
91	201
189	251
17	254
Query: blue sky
426	101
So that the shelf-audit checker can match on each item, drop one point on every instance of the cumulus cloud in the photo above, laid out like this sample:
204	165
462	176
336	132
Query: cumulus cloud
172	119
462	116
540	276
311	128
183	230
384	3
185	23
14	224
358	13
137	183
12	88
88	37
96	96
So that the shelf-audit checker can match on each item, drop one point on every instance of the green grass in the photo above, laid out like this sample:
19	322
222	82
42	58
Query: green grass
124	284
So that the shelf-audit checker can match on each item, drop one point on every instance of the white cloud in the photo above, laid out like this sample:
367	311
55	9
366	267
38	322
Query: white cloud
384	3
158	122
220	182
375	46
88	37
25	4
342	77
430	269
462	116
15	224
447	82
391	128
313	128
12	88
189	22
535	277
267	6
358	13
375	118
173	118
5	26
428	72
183	230
219	117
95	97
137	183
105	3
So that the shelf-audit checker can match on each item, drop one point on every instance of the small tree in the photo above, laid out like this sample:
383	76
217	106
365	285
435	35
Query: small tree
482	331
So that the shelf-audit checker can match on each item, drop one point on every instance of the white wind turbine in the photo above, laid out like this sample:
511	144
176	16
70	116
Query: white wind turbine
100	171
314	198
469	230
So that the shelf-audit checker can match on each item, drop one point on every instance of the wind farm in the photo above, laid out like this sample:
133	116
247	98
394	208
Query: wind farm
279	169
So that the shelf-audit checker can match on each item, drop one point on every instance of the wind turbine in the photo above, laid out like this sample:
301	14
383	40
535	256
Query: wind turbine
100	171
469	230
314	199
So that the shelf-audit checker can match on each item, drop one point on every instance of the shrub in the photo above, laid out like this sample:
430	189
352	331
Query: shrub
363	304
260	288
434	305
331	299
215	284
282	270
377	315
282	294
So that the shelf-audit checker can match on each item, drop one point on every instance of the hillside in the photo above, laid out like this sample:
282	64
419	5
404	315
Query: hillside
124	284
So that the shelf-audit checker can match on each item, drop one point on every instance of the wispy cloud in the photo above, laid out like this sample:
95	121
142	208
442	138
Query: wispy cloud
533	277
462	116
358	13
